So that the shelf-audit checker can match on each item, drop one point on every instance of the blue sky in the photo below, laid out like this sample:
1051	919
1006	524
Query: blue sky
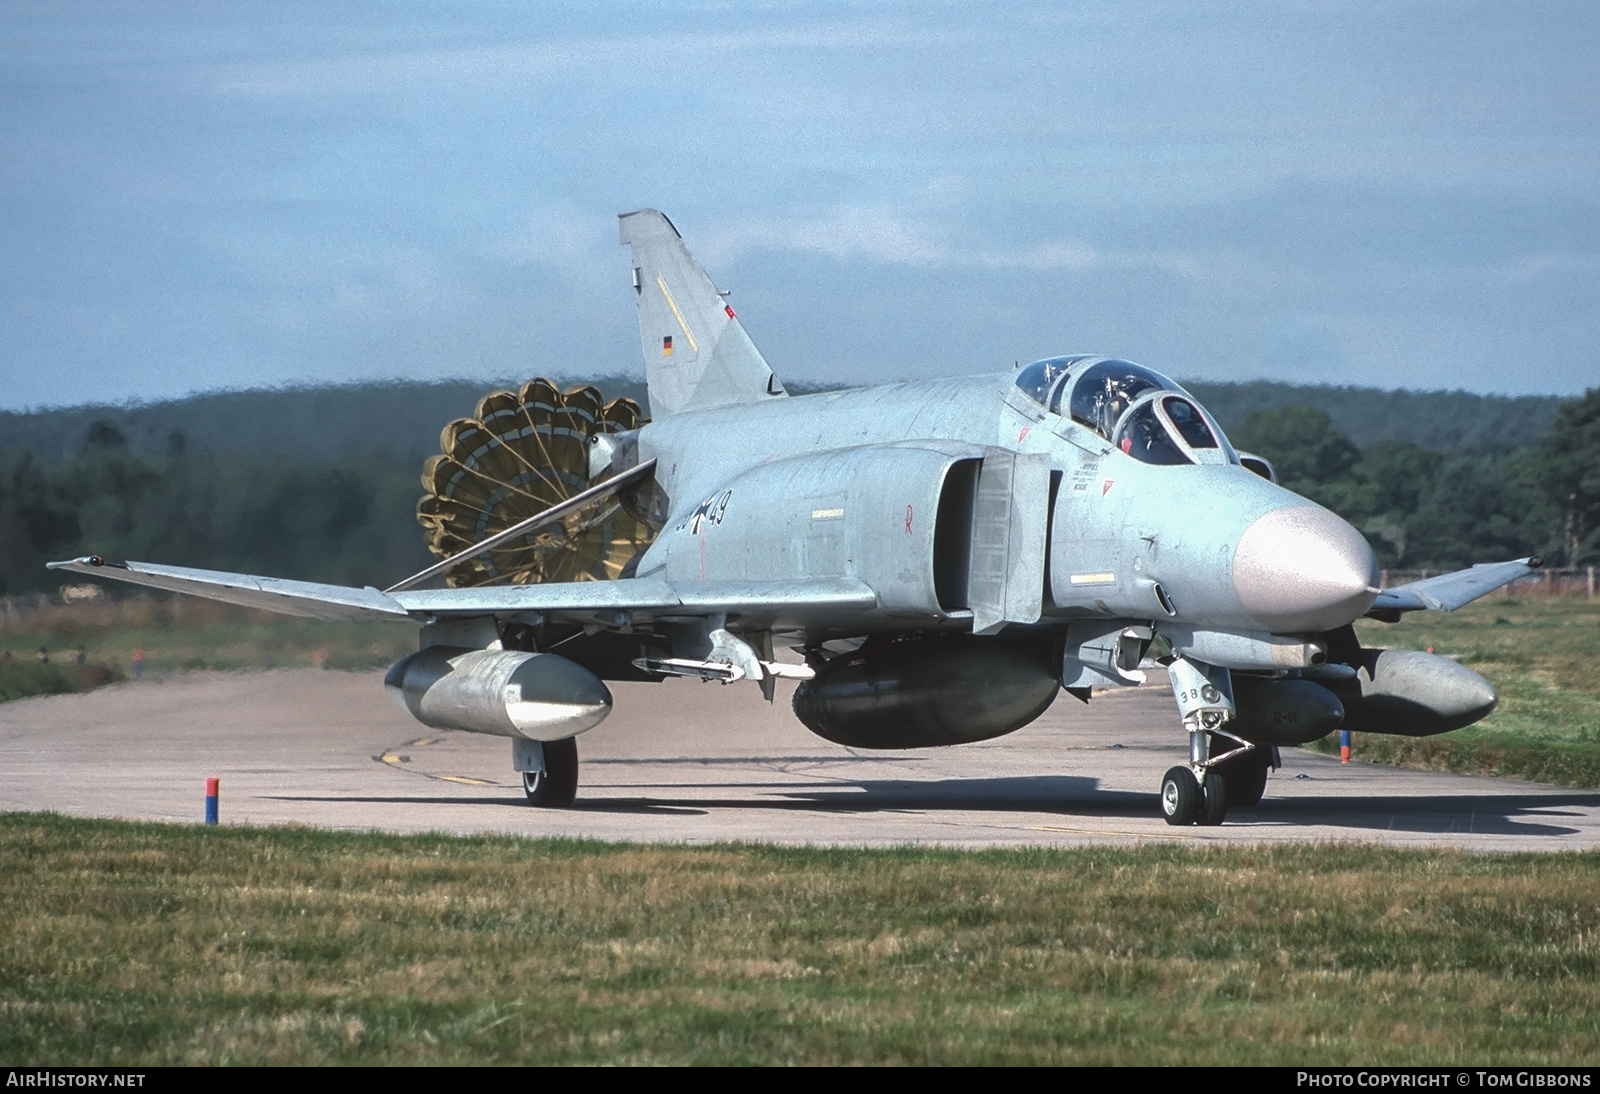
220	196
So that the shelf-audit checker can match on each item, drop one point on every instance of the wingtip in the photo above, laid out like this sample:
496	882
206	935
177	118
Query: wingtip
94	561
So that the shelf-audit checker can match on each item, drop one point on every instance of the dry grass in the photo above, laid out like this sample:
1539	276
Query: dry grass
183	634
126	943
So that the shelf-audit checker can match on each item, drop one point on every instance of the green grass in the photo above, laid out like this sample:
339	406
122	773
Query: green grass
1541	654
20	679
145	944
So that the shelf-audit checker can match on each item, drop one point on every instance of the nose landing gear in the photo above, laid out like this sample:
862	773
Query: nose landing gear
1198	793
1184	801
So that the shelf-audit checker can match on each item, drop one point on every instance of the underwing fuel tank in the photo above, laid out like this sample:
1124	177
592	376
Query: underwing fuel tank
537	696
930	691
1412	694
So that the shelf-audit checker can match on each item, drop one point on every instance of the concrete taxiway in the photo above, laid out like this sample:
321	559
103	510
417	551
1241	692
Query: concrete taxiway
688	762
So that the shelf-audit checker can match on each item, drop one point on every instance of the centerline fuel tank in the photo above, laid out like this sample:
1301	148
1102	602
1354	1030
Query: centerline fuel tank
931	691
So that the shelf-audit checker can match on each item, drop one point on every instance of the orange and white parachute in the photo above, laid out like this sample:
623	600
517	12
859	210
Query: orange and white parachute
521	454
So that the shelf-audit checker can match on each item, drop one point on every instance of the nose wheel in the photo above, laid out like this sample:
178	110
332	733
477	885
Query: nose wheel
1184	801
1197	793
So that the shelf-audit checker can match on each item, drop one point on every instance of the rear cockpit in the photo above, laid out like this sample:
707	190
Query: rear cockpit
1141	412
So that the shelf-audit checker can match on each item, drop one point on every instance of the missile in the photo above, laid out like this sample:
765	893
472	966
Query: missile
1284	712
508	693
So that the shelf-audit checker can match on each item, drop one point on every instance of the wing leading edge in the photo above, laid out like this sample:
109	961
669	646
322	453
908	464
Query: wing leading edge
575	601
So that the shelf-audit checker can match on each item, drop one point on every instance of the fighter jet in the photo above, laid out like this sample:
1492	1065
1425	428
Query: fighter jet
948	556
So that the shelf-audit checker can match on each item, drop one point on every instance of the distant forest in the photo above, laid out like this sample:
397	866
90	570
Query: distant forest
321	483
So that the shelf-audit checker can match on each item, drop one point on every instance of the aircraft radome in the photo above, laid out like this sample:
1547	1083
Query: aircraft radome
949	555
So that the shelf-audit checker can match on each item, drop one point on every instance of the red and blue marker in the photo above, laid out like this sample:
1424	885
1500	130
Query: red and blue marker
1344	746
211	799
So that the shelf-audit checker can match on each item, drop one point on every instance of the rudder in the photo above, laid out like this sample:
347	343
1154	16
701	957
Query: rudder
696	352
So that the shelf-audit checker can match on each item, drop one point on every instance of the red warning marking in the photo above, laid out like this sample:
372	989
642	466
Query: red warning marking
1105	487
1024	434
908	520
729	309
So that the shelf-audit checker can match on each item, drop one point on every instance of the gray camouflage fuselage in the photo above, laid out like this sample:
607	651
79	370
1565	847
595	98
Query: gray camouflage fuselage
848	485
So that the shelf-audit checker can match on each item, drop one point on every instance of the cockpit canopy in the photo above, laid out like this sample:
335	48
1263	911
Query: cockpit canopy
1140	411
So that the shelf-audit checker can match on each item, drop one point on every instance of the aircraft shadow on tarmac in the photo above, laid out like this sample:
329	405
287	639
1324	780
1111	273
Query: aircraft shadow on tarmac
593	805
1074	795
1475	814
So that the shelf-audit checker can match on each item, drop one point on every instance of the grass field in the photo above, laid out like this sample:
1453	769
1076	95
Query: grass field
179	634
126	944
1541	654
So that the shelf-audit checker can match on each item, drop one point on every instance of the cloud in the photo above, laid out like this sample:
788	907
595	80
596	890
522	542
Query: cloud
878	233
874	232
557	237
618	59
1534	266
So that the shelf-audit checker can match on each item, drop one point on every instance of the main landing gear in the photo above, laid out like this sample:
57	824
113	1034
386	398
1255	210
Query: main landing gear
549	771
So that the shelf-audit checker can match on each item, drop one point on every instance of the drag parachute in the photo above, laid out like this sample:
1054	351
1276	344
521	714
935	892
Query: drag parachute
521	454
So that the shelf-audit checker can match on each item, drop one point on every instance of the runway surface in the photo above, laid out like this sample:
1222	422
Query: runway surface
688	762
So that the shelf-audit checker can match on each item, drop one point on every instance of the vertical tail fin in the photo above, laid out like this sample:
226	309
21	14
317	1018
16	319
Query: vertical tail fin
696	353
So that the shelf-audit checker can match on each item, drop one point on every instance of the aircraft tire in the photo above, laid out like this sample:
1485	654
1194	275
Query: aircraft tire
1180	797
1215	794
1247	779
556	786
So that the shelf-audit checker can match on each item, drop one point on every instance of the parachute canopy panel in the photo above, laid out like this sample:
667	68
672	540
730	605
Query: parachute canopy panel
522	453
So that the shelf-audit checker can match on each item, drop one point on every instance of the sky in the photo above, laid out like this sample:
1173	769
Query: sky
233	195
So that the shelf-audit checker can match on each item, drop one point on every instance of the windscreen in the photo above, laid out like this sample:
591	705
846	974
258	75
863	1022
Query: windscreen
1144	437
1189	422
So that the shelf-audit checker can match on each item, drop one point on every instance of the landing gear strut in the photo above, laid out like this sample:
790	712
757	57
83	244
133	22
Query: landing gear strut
549	771
1198	793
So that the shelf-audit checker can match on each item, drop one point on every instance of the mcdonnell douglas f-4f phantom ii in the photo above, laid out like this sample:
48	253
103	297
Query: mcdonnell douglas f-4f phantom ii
948	554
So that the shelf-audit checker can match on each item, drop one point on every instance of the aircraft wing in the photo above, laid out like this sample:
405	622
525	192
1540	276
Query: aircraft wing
1447	592
575	601
303	598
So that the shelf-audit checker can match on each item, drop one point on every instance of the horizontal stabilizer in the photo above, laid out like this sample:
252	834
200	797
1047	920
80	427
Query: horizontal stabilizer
696	352
1447	592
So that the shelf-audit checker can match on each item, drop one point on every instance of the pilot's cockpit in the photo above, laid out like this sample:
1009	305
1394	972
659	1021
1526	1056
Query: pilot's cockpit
1140	411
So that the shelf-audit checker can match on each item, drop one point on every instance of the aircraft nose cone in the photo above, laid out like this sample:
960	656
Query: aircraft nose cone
1301	568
